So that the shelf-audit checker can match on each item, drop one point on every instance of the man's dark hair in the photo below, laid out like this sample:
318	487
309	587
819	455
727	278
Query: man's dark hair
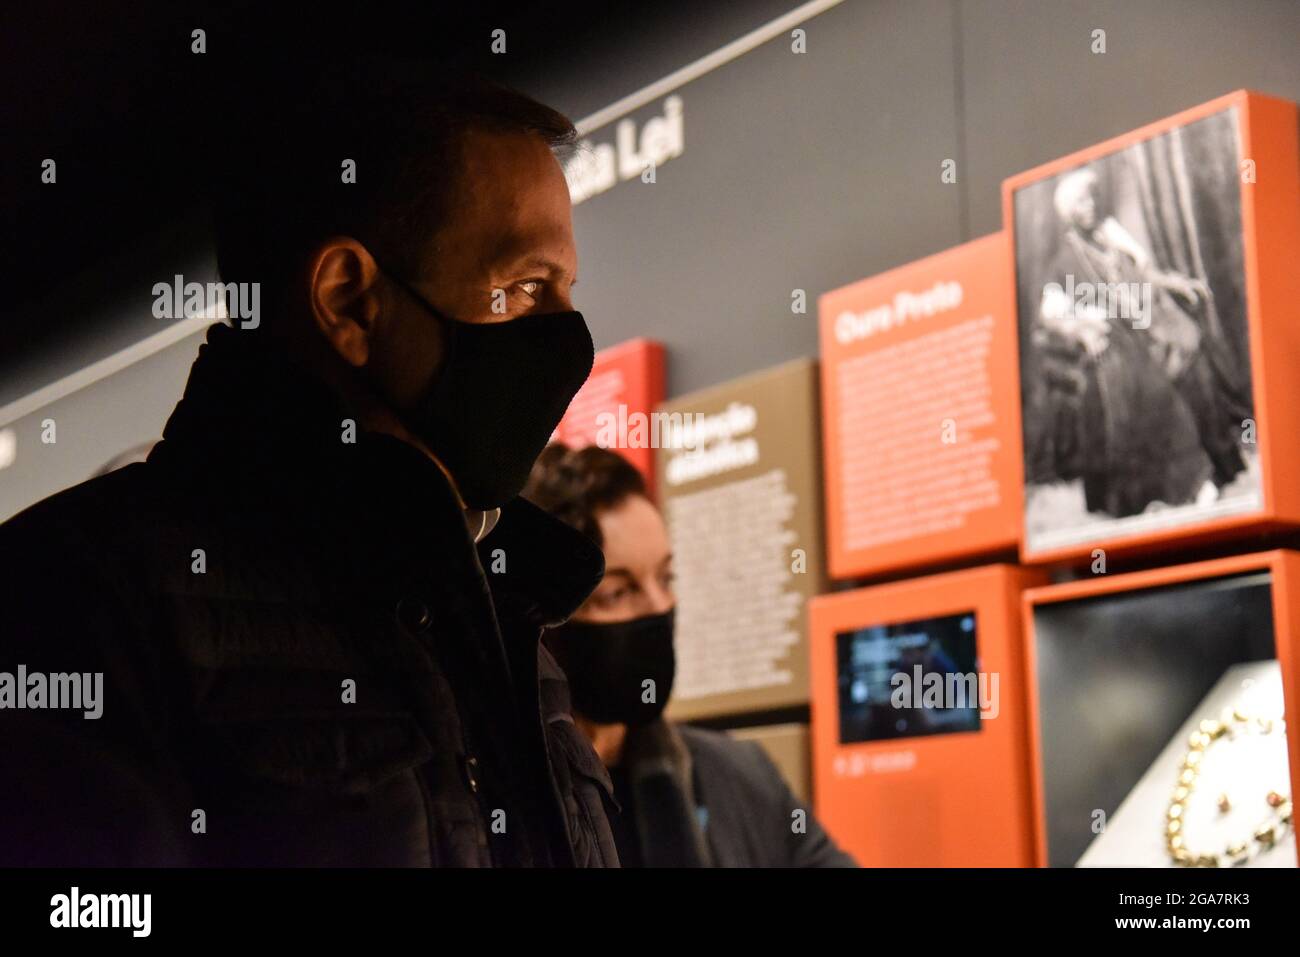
576	485
278	184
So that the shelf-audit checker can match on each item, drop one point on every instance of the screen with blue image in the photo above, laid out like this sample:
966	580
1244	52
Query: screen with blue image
885	672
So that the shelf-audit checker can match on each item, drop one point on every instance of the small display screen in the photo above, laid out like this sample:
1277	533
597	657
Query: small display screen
909	678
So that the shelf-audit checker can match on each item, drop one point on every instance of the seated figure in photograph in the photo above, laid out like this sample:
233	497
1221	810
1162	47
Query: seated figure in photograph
689	797
1152	424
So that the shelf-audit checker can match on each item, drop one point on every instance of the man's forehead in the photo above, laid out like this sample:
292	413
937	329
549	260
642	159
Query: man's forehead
502	167
516	199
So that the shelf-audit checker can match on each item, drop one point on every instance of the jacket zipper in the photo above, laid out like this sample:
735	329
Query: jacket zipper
469	769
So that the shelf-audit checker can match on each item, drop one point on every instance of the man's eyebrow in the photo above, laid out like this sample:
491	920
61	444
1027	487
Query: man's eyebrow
542	262
618	571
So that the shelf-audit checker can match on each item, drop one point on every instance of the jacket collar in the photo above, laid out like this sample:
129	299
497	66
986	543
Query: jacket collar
546	567
256	429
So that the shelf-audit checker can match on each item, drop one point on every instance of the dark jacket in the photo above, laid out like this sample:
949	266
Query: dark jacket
305	661
697	798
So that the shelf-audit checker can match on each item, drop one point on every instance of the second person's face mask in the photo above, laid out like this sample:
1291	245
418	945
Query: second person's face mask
619	672
497	397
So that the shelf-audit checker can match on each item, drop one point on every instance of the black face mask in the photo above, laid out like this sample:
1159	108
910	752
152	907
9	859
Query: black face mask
609	664
500	391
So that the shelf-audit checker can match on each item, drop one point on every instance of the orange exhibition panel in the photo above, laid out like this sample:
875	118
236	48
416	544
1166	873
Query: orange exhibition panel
921	430
919	721
1159	353
1162	709
613	407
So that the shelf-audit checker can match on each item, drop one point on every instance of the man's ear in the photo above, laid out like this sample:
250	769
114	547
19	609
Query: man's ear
344	295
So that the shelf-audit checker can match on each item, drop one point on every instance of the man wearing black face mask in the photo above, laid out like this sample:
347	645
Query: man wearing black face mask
316	608
689	797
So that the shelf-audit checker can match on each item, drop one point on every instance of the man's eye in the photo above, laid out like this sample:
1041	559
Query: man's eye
530	287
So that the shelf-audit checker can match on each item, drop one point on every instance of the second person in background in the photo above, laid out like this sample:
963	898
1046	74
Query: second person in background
689	797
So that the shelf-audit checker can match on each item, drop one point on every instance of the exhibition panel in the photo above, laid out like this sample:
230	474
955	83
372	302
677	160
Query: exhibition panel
741	492
614	407
921	427
1115	372
1155	288
1160	705
919	724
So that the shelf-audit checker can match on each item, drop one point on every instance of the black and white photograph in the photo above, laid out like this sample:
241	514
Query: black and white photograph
1138	412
